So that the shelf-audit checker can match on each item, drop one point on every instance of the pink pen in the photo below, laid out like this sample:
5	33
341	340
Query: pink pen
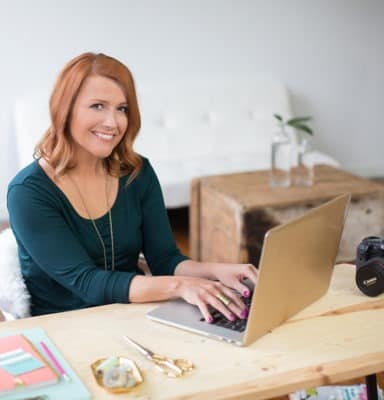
54	361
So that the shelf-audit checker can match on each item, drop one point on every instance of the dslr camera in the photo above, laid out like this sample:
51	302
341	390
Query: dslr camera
370	266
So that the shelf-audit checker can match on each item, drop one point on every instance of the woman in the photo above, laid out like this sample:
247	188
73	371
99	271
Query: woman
88	205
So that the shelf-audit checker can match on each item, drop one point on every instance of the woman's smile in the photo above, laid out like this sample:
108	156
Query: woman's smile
104	136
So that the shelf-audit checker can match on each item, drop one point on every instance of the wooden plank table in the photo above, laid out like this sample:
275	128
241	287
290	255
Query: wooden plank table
230	214
337	338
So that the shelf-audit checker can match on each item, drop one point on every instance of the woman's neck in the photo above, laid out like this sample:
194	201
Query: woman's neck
88	170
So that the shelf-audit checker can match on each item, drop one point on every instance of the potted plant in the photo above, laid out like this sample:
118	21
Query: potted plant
298	123
302	164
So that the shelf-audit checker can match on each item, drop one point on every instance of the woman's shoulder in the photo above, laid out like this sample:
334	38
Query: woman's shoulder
31	172
143	180
143	167
146	171
31	180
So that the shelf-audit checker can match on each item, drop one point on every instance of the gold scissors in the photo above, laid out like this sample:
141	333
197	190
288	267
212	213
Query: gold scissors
173	368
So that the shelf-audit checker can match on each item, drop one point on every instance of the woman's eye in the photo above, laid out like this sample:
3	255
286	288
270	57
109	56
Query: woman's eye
123	109
97	106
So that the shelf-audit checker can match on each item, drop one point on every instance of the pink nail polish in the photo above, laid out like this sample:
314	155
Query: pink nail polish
246	293
244	313
209	319
232	317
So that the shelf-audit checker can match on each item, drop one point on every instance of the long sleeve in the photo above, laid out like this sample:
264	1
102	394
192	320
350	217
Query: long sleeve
159	246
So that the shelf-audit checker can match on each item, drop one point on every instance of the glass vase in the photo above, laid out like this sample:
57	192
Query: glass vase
303	171
281	153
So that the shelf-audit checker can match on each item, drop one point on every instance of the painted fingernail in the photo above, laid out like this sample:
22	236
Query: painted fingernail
244	313
246	293
209	319
232	317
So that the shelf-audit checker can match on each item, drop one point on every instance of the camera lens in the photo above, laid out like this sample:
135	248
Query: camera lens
370	278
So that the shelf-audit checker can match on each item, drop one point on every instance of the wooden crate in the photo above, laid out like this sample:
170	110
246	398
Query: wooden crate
230	214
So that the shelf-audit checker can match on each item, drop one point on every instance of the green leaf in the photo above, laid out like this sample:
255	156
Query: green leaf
304	128
298	120
278	117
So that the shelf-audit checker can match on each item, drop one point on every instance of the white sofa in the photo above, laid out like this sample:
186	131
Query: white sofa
189	128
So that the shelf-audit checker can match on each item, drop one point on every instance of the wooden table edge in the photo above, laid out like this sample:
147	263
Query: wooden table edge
320	375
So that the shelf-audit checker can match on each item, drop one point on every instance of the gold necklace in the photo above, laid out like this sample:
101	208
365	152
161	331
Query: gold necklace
94	223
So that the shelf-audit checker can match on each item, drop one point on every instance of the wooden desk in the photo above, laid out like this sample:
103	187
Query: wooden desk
337	338
230	214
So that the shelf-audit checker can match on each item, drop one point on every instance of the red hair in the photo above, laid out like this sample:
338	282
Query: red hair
56	144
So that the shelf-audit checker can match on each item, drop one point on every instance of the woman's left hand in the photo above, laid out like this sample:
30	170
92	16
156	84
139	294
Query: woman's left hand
233	275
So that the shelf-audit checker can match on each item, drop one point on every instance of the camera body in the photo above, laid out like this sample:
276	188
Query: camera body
370	266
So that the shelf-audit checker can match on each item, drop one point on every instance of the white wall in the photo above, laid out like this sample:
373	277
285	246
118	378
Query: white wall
330	53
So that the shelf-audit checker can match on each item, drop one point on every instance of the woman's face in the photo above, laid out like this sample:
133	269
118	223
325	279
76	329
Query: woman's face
99	118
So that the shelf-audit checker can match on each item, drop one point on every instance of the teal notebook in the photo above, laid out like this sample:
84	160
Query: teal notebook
62	390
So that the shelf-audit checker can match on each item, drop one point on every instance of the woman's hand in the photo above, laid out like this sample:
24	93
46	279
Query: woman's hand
233	275
199	286
205	294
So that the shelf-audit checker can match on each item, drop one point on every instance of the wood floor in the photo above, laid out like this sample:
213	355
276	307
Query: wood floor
180	227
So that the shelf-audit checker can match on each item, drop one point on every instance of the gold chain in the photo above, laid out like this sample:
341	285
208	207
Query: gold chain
94	223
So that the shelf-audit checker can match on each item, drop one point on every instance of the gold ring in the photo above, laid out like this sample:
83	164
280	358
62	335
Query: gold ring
224	299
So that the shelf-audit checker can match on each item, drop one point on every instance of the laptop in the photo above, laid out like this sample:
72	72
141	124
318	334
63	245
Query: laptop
295	270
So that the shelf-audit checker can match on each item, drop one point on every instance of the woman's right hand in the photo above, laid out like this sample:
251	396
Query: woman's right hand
205	294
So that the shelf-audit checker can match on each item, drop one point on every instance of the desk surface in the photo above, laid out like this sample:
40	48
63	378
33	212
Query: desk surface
339	337
329	182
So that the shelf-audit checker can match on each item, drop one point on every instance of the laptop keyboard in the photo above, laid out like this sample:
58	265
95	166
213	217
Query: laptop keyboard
237	325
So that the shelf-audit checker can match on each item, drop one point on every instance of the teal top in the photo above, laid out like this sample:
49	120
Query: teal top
61	256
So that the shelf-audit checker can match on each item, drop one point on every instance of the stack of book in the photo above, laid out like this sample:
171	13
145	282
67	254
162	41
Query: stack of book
31	366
